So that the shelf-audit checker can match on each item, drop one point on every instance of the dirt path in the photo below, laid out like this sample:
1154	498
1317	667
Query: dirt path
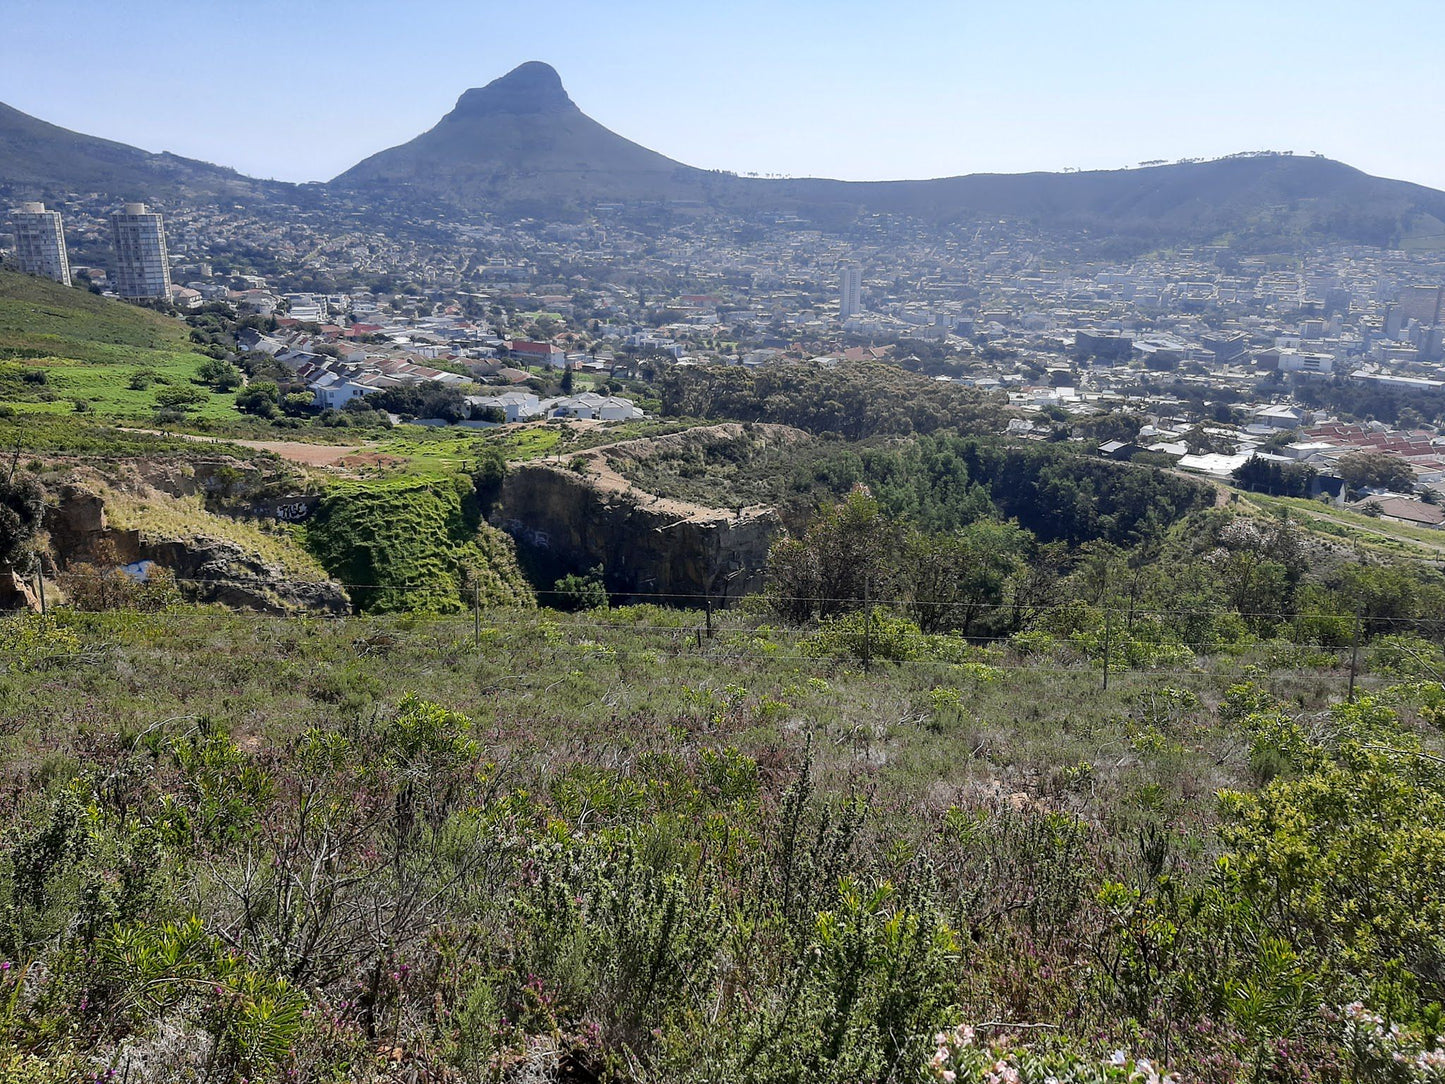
310	455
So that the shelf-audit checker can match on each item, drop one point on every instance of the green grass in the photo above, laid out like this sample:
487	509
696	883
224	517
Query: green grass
50	434
1369	531
106	387
42	318
427	452
89	348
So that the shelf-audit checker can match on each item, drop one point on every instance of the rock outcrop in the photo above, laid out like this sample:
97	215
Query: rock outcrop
650	548
207	569
214	570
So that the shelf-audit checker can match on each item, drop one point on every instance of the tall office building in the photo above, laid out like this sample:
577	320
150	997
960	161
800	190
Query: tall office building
850	291
142	268
1425	304
40	242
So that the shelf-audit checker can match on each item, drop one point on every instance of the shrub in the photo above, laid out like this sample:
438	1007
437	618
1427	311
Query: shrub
576	591
960	1057
35	642
92	588
218	374
261	398
863	635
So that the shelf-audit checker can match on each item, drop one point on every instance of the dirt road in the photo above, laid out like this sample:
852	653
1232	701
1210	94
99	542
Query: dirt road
310	455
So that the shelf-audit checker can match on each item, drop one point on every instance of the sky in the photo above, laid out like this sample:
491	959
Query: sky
301	90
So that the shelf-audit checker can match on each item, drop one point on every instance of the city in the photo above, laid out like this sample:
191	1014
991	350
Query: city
1213	354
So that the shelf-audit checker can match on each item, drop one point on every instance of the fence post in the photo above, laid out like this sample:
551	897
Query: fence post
40	585
1108	637
1354	654
709	617
867	625
477	616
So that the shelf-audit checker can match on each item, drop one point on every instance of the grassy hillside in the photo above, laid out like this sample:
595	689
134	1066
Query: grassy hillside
36	314
414	545
603	848
59	345
160	516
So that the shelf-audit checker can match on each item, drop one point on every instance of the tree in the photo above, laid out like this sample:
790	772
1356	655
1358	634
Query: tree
487	478
261	398
218	374
298	402
847	553
580	591
1270	476
22	509
951	580
1258	565
489	414
1376	470
180	399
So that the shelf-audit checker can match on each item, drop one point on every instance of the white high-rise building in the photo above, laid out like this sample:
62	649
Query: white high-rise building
850	291
40	242
142	268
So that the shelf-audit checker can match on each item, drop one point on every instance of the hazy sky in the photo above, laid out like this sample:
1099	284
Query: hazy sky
302	89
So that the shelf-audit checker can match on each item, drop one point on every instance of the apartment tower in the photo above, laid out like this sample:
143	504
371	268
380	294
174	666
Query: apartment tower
141	266
850	291
40	242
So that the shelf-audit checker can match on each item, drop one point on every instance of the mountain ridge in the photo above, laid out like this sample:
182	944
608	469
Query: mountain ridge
519	146
40	158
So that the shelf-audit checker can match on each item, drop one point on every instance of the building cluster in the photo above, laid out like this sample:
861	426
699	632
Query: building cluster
142	266
1046	323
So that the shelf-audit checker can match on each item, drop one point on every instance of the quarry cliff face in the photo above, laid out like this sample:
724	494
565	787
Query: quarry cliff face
211	569
650	548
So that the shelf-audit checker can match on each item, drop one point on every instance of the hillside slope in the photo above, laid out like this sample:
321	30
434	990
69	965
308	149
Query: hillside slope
1271	196
519	146
43	160
40	317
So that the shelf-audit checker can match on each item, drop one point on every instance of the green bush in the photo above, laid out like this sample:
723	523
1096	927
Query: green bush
867	635
576	591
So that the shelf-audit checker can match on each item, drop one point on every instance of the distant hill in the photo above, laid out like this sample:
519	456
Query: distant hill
43	160
1260	199
521	146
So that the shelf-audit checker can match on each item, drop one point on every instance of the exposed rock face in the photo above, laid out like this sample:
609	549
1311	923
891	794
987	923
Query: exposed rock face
647	546
16	593
212	570
79	531
209	569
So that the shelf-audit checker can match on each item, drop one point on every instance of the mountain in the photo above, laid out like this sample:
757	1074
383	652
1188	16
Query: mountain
521	145
1257	200
43	160
521	140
